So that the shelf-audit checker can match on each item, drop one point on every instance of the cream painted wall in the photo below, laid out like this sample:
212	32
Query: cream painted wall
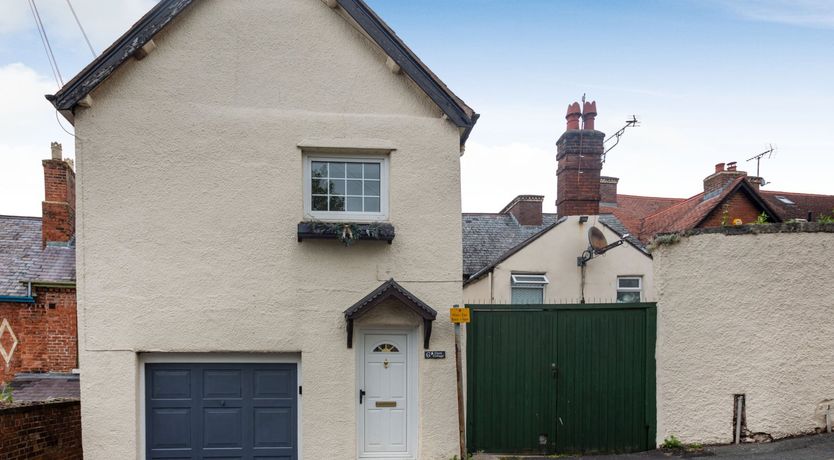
746	314
190	189
554	254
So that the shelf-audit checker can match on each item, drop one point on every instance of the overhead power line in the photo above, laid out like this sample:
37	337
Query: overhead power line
47	47
83	32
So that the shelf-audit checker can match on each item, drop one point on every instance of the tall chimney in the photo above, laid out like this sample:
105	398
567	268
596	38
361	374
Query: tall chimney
59	202
721	177
527	209
608	190
579	158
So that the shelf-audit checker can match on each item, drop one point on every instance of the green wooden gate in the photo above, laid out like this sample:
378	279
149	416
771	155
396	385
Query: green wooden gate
561	378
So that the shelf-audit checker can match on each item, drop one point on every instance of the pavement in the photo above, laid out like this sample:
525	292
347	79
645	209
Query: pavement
813	447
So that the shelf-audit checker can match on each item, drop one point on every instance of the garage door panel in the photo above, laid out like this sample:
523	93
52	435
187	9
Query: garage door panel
274	427
274	384
222	428
171	384
171	428
222	384
222	411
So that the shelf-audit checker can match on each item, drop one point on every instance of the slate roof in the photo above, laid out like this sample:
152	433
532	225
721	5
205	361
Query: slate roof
22	257
487	236
43	387
489	239
164	13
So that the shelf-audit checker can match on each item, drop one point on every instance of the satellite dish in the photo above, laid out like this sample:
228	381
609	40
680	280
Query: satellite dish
596	239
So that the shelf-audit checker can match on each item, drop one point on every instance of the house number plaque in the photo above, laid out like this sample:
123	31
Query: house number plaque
435	355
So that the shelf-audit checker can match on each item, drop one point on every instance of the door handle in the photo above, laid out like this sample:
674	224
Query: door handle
554	370
361	396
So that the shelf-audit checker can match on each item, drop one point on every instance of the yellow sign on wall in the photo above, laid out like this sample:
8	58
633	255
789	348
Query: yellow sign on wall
459	315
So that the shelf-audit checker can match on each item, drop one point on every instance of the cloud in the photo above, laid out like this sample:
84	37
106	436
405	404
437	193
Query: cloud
104	21
492	175
808	13
25	133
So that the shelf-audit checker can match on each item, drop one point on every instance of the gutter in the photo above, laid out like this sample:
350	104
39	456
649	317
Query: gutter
28	298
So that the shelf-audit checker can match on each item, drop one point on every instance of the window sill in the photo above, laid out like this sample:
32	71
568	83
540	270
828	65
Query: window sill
334	230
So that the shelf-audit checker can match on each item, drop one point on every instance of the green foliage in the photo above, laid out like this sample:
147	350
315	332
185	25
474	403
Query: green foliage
725	216
672	443
6	393
826	219
761	219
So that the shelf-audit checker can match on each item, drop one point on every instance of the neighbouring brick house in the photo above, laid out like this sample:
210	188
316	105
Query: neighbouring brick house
38	332
522	255
730	197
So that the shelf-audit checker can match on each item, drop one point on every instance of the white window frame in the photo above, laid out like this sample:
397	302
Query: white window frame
518	281
346	216
638	289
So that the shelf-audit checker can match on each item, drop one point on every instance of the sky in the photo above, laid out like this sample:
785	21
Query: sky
710	81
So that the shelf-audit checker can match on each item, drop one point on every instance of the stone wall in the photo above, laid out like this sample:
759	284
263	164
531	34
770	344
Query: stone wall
48	430
745	311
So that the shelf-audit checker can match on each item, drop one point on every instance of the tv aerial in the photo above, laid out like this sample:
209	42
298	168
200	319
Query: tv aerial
597	245
632	123
767	153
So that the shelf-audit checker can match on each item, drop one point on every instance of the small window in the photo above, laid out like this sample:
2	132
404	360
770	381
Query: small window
629	289
347	189
784	199
386	348
528	288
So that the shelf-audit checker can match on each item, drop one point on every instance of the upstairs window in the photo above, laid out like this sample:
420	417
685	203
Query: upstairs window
346	188
528	288
629	289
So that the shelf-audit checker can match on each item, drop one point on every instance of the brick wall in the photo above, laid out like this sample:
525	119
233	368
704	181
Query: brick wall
578	155
45	431
739	205
46	331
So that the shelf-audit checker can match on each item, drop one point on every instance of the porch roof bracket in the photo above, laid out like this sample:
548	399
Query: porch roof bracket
390	289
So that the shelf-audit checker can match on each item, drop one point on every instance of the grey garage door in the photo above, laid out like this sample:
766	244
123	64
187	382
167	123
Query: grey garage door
221	411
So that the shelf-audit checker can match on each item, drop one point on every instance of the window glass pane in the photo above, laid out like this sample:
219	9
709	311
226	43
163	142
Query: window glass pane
354	187
319	169
371	204
354	204
628	297
371	170
527	295
629	282
319	203
337	187
372	188
354	170
337	170
319	187
337	203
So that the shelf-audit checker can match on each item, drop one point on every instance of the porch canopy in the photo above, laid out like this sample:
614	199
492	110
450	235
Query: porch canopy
390	289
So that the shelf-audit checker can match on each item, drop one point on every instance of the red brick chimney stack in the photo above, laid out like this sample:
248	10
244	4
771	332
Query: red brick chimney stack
59	201
721	177
527	209
579	158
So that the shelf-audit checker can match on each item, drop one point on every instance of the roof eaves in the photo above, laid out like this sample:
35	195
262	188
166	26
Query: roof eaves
114	56
458	112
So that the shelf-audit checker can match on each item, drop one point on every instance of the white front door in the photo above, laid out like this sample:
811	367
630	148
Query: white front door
384	408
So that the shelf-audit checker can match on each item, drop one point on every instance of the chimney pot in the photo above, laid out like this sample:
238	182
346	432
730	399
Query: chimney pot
589	113
719	167
574	113
732	166
57	151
